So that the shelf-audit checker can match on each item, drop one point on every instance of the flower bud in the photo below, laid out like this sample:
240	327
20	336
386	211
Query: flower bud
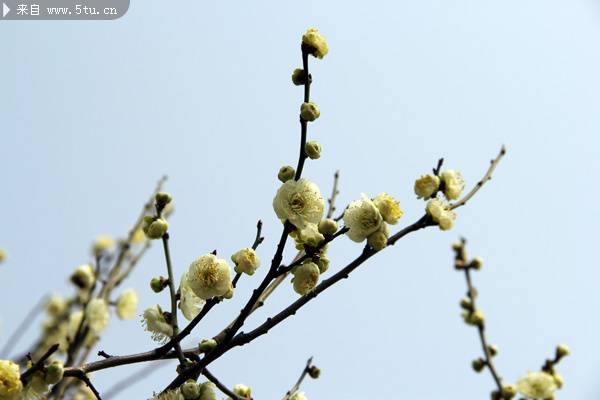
378	240
312	150
314	372
286	173
162	199
558	380
478	364
509	391
158	284
328	226
207	391
242	391
309	111
466	304
54	373
190	390
299	77
323	264
83	277
476	263
426	186
475	318
315	43
102	244
562	350
155	228
207	345
493	349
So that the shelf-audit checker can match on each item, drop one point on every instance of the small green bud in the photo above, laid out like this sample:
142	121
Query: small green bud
314	372
493	349
156	228
475	318
286	173
457	246
476	263
54	373
207	391
190	390
162	199
207	345
323	264
562	350
309	111
299	77
312	150
328	226
509	391
158	284
478	364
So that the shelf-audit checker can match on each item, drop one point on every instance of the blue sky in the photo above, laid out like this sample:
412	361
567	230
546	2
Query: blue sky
94	112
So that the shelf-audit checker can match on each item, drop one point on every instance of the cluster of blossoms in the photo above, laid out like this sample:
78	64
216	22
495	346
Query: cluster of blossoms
449	183
12	387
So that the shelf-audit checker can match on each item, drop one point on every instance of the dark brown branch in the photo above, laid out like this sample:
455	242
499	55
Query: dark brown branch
259	239
39	364
334	193
84	378
220	385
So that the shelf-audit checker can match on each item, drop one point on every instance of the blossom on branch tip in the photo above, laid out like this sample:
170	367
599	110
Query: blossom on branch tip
154	321
306	277
10	380
299	202
562	350
209	276
537	385
426	186
362	218
127	304
309	111
453	184
246	260
189	304
96	314
388	207
315	43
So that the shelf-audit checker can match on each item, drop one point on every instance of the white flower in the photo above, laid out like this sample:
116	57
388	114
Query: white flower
55	306
453	184
246	260
10	379
96	314
154	321
537	385
127	304
299	202
316	42
209	277
299	396
306	277
189	304
441	213
426	186
388	207
362	218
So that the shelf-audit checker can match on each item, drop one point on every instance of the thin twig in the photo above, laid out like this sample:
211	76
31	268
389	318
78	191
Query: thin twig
39	364
296	386
334	193
84	378
220	385
488	175
258	239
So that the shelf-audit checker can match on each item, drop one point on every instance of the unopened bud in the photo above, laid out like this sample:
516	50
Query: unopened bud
158	284
466	304
299	77
54	373
286	173
509	391
478	364
207	345
476	263
493	349
328	226
309	111
162	199
312	150
207	391
314	372
155	228
562	350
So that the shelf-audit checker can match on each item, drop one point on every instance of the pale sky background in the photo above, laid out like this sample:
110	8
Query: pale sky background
94	112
